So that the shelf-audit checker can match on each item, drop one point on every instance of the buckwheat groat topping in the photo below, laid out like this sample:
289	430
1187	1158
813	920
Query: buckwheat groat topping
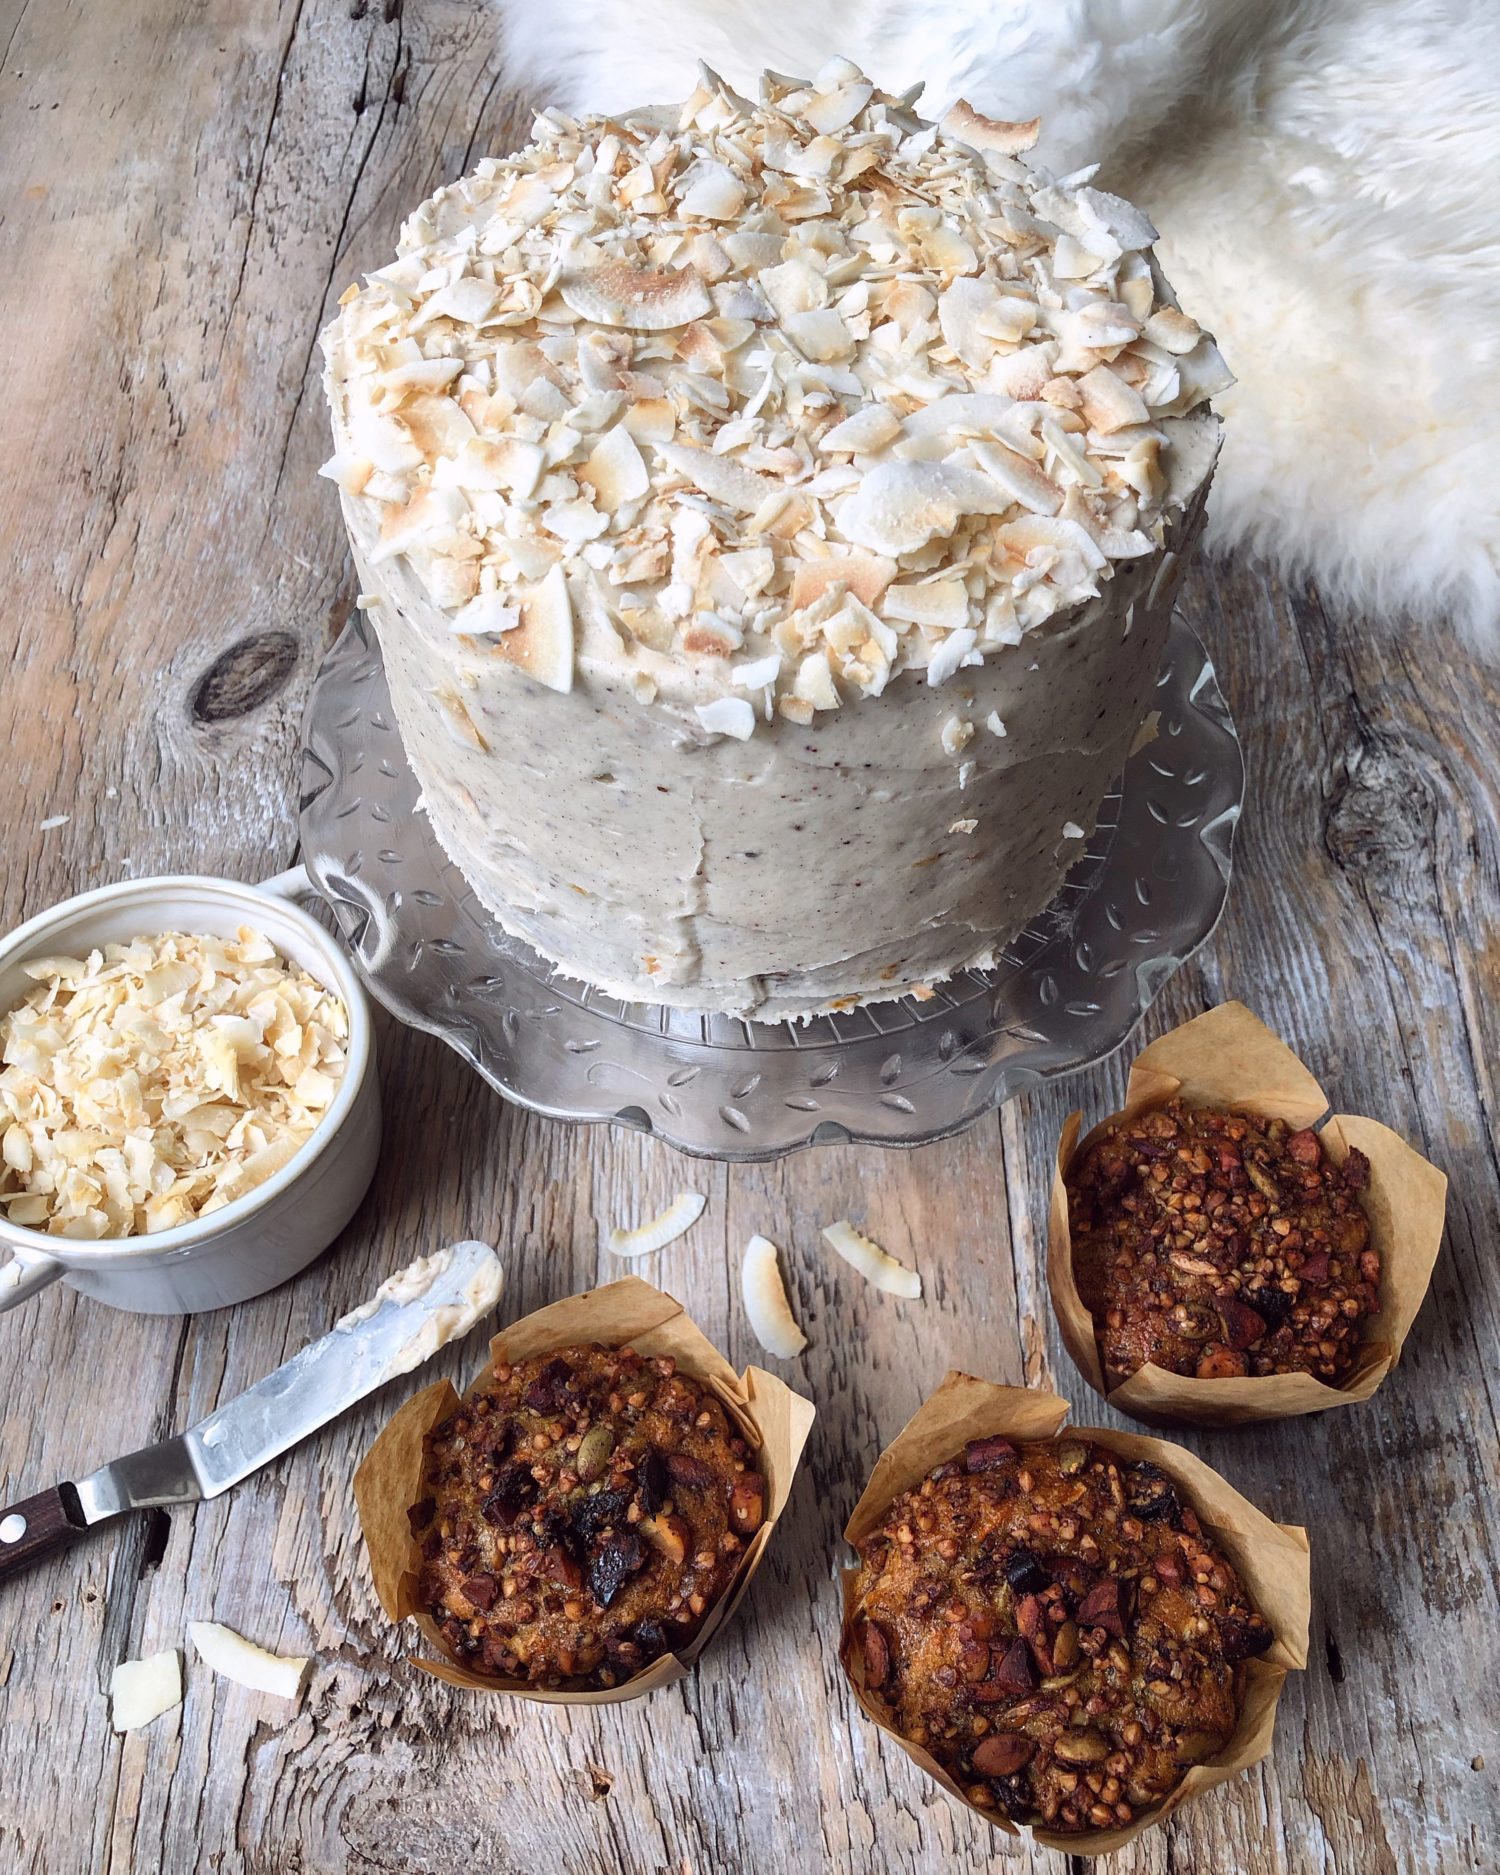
1222	1244
1051	1623
798	393
582	1515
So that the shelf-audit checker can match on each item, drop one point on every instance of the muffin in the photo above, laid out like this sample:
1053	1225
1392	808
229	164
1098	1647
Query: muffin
1048	1622
1221	1244
581	1514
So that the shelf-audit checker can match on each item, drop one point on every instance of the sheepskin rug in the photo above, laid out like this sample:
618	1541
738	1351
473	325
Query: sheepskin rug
1326	177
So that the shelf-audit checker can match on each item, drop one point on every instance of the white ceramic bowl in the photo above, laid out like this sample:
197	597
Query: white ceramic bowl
278	1228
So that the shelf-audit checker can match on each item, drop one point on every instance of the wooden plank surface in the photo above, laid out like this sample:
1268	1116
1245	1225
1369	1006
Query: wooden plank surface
187	188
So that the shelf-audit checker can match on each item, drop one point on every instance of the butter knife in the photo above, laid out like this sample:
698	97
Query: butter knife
408	1319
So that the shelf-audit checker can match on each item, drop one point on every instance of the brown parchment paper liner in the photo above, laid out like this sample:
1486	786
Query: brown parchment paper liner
774	1421
1272	1559
1229	1058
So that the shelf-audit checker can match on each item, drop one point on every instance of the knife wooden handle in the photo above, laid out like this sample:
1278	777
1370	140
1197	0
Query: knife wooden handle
37	1526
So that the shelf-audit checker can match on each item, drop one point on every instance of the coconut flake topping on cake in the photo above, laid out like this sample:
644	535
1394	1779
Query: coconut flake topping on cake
799	393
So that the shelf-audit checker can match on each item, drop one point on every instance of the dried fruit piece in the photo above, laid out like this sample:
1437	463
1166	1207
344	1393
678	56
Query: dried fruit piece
1024	1572
1100	1608
988	1454
481	1589
877	1653
548	1393
613	1562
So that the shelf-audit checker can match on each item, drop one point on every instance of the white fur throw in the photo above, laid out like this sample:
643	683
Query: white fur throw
1326	176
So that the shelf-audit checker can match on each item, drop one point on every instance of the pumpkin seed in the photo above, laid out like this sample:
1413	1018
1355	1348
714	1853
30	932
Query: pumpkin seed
594	1452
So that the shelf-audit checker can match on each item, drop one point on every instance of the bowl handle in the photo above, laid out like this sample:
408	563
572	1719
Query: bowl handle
24	1275
293	884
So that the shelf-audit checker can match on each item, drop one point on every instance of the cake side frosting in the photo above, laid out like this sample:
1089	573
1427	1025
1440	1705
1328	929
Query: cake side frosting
779	657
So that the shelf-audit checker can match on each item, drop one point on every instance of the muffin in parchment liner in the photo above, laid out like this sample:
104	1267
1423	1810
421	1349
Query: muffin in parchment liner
1270	1558
1228	1059
772	1419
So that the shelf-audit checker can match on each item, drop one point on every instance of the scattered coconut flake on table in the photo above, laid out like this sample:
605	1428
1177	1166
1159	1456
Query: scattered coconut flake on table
878	1265
246	1664
680	1215
142	1690
771	1319
53	820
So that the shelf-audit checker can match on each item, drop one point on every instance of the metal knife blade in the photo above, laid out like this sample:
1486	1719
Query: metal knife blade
408	1319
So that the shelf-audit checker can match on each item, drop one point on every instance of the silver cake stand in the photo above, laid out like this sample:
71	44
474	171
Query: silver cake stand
1069	990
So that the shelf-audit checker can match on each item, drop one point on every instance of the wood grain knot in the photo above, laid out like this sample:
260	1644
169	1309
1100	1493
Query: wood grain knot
247	675
1382	816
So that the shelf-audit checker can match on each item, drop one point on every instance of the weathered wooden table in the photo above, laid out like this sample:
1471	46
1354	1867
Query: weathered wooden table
187	188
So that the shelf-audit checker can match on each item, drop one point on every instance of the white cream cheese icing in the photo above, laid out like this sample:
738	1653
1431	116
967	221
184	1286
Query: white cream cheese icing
718	479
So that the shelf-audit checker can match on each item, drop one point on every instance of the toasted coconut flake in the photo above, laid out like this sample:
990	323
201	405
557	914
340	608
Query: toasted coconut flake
237	1659
142	1690
1109	403
728	716
941	603
869	428
680	1215
820	334
542	645
839	108
616	294
349	472
757	673
990	133
715	193
1018	478
873	1263
718	477
952	652
766	1306
486	615
977	318
616	470
900	506
862	574
1172	330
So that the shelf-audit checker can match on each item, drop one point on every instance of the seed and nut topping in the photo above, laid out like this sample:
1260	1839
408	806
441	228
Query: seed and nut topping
1222	1244
581	1515
149	1083
1051	1624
